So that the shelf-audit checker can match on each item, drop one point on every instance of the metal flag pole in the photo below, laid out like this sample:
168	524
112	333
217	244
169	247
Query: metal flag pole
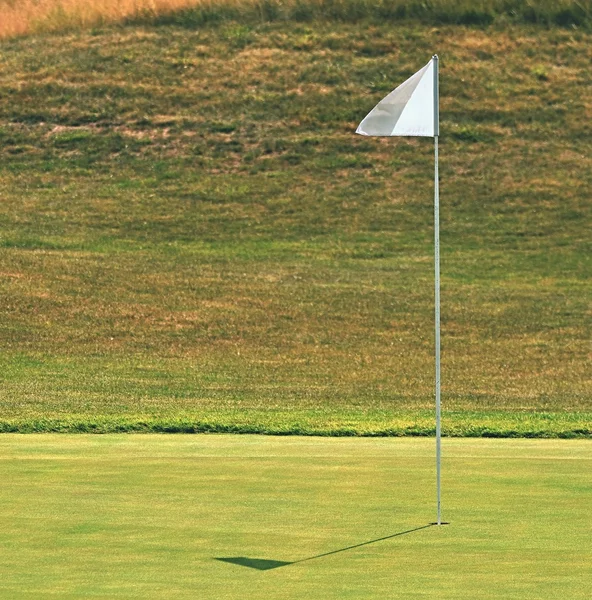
437	287
405	112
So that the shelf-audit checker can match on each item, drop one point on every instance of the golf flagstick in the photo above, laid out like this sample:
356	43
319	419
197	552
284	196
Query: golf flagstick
412	109
437	291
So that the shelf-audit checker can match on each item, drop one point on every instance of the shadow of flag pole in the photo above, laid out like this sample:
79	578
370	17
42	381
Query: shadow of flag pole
262	564
412	109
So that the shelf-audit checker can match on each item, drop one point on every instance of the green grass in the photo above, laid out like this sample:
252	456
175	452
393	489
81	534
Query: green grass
125	516
192	237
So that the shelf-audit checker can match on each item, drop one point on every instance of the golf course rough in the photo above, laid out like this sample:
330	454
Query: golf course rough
194	239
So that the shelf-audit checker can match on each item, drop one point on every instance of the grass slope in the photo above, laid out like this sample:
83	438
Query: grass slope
148	516
192	238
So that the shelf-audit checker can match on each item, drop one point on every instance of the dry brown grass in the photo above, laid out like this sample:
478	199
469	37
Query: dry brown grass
21	17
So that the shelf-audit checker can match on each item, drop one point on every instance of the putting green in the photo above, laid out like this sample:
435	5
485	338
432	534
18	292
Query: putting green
225	517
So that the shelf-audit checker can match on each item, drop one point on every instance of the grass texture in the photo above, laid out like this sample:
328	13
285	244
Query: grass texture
21	17
126	516
193	238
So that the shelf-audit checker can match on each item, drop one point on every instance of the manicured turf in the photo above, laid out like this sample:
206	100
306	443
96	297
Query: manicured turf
152	516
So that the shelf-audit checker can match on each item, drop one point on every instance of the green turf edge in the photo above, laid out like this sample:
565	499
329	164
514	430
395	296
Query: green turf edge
455	424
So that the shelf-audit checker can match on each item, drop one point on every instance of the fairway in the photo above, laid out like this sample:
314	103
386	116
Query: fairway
151	516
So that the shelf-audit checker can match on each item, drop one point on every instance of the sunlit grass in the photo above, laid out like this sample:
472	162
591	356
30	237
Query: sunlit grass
127	516
193	237
19	17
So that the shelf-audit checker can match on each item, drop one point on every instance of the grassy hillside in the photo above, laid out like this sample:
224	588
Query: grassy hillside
192	237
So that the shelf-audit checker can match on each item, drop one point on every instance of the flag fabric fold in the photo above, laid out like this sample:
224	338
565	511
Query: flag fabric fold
409	110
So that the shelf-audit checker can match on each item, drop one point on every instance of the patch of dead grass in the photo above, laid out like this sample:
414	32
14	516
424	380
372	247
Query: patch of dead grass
30	16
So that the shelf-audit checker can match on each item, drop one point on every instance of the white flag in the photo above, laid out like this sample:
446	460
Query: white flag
411	109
